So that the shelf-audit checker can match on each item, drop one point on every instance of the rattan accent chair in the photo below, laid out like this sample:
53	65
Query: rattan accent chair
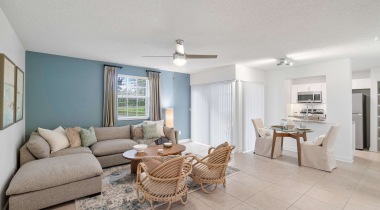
166	182
211	170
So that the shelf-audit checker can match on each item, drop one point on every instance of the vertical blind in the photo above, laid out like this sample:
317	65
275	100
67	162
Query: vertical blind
211	113
253	107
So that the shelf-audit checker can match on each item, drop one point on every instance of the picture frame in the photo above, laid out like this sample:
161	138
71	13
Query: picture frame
19	95
7	91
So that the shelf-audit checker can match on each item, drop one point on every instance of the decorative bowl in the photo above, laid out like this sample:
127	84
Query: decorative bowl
168	144
140	147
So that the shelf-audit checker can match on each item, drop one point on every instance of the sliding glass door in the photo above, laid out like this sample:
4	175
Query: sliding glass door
211	113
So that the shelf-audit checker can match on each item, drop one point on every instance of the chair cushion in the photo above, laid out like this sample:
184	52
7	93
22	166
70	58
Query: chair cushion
52	172
70	151
38	146
111	147
107	133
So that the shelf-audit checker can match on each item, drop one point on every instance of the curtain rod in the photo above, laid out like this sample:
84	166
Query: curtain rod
153	71
113	66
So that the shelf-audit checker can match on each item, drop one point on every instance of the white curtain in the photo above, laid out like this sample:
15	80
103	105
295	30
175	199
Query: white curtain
253	107
211	113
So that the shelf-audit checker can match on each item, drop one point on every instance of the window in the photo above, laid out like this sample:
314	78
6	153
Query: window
132	97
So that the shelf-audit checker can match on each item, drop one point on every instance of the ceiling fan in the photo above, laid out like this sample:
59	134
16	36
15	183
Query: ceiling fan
180	57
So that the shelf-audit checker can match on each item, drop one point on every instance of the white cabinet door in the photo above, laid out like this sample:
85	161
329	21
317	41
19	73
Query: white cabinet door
324	96
293	92
315	87
303	88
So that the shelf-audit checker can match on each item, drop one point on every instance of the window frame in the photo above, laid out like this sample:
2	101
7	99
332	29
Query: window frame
147	99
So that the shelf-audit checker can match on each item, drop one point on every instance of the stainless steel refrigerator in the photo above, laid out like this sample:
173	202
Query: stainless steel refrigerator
358	116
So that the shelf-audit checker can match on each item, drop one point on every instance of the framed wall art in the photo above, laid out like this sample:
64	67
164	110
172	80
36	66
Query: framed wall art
19	112
7	91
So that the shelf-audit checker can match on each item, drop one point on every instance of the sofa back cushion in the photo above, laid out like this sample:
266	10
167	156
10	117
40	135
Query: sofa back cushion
108	133
38	146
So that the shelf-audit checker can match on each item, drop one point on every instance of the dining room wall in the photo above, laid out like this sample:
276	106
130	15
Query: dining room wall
339	99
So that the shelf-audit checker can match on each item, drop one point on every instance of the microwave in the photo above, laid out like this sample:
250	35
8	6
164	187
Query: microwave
304	97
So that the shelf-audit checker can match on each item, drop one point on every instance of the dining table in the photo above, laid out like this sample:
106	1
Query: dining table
295	133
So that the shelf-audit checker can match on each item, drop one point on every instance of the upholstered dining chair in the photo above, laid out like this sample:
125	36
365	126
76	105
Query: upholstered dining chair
211	170
163	179
320	156
263	144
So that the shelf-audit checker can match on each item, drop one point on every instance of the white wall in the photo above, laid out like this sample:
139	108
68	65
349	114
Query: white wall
361	83
227	73
12	137
218	74
339	98
375	77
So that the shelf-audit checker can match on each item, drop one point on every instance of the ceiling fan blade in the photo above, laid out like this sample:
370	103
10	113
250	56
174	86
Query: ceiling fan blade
158	56
190	56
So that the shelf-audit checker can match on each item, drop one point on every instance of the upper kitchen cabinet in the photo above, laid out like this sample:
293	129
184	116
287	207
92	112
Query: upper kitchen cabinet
309	87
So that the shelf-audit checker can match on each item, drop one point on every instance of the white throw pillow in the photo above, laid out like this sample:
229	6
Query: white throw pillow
160	126
319	140
56	138
264	132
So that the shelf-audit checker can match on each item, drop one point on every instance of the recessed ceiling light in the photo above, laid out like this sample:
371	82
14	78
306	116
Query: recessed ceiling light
376	38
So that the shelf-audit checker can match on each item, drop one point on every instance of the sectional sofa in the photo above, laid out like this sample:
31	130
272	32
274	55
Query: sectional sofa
45	179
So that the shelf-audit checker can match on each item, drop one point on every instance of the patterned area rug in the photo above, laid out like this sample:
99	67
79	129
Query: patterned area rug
119	191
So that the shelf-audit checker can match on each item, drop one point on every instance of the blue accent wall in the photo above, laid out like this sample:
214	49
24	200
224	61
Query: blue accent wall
68	91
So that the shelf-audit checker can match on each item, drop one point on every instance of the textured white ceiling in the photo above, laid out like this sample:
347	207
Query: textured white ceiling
249	32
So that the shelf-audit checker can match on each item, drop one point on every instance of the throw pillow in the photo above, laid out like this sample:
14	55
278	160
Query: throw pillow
56	138
264	132
319	140
88	136
73	134
160	126
170	133
137	132
150	131
38	146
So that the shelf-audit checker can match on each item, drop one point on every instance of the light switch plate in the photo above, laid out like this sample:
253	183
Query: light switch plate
179	132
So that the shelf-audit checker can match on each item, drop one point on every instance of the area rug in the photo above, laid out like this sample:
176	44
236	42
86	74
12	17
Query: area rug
119	191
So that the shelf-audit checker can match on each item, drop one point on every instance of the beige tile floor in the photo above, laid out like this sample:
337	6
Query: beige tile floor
281	184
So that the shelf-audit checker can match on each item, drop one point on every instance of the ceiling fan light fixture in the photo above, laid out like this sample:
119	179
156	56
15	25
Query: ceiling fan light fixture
179	59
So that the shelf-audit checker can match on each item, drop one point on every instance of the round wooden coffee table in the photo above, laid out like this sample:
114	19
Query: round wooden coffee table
151	151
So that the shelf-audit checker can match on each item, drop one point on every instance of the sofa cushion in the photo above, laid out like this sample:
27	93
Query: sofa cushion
146	141
38	146
107	133
110	147
88	136
71	151
51	172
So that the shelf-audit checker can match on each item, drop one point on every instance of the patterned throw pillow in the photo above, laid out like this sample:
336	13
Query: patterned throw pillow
73	134
150	131
88	136
160	126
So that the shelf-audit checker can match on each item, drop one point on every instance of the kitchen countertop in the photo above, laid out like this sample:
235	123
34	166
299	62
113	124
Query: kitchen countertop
304	120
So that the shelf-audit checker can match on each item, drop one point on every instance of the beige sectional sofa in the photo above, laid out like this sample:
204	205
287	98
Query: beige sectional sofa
45	179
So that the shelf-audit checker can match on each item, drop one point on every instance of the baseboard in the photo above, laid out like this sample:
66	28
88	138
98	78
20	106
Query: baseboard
337	157
249	151
184	140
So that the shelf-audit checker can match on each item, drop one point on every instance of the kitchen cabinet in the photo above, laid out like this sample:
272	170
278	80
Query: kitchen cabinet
324	95
310	87
294	91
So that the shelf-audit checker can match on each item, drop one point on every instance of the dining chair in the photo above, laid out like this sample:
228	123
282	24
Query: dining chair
163	179
321	157
263	144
